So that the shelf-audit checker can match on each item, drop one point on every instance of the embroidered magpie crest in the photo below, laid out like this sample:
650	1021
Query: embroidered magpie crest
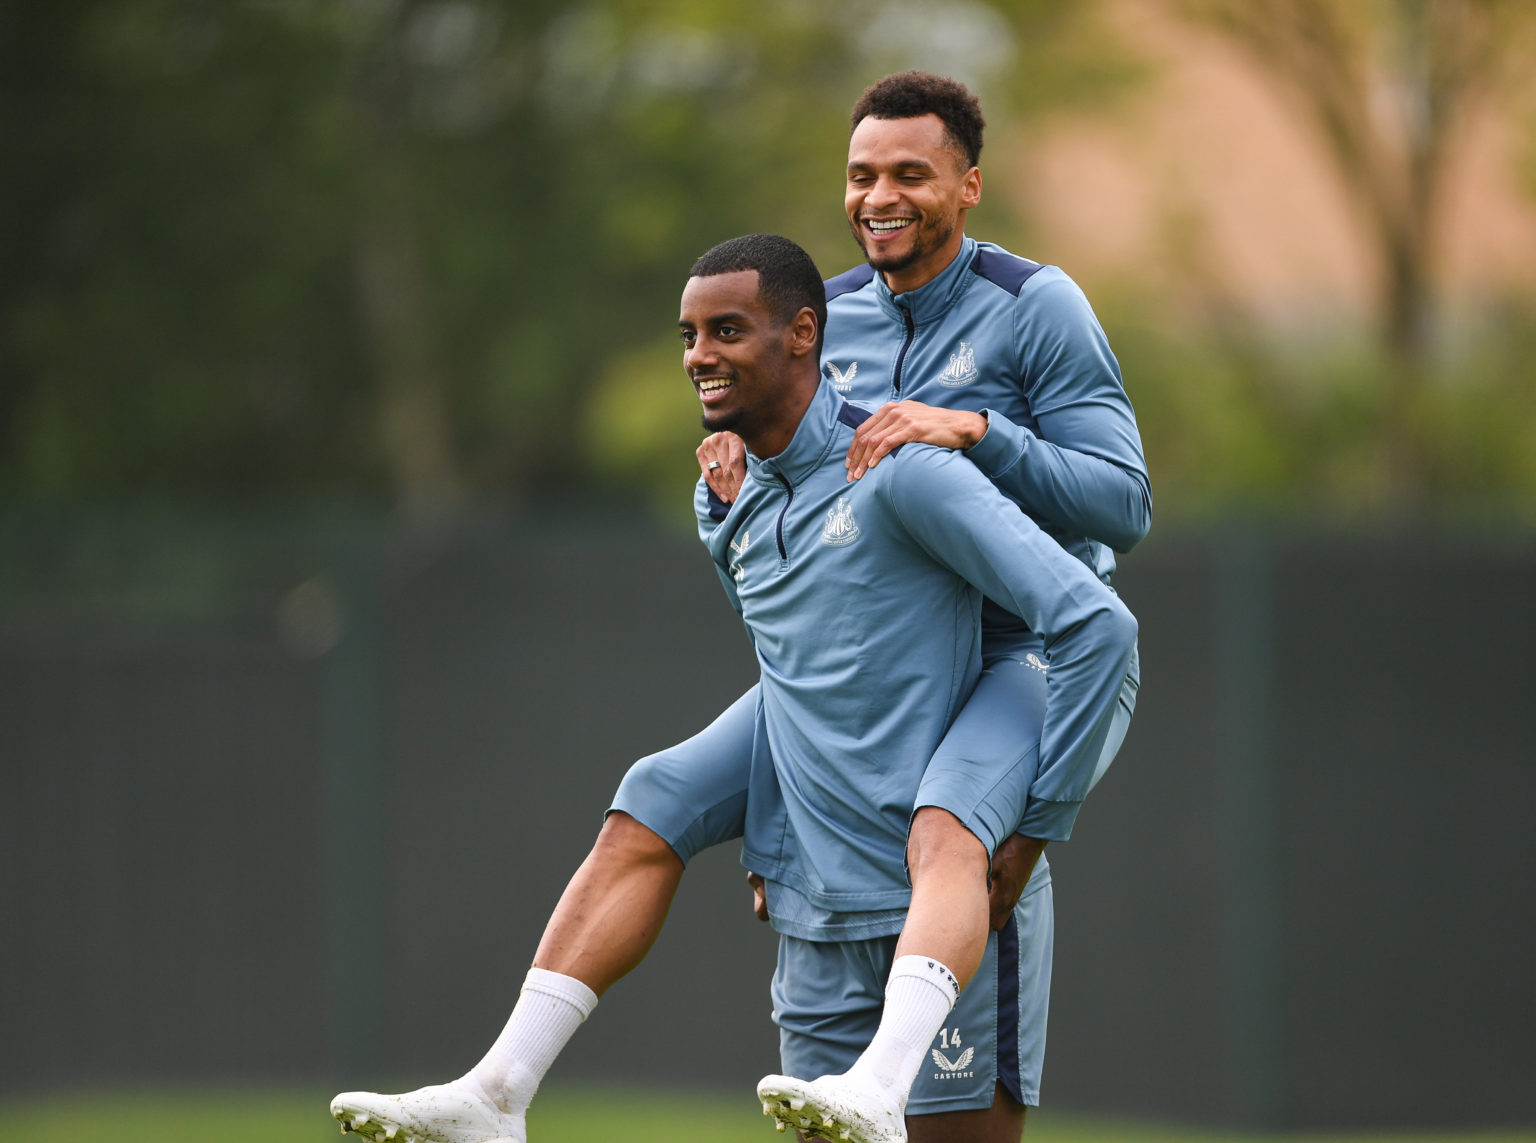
1035	661
841	528
961	369
841	381
740	548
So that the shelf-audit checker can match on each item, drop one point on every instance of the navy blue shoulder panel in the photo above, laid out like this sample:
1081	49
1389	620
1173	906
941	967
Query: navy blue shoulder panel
1006	270
718	509
849	281
852	416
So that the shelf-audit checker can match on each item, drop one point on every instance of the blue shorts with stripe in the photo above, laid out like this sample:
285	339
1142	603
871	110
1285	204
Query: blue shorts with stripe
694	794
828	996
984	767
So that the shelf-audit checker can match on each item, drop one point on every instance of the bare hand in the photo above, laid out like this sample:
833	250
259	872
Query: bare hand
728	453
759	896
1011	866
902	421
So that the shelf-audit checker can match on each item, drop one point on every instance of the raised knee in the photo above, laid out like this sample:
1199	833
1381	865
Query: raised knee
937	836
623	838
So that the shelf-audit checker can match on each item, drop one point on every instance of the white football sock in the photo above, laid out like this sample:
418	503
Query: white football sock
919	996
548	1011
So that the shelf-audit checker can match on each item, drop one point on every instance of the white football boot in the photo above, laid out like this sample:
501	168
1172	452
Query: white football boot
457	1112
840	1108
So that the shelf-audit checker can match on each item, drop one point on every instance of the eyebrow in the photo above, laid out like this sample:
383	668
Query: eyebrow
900	165
718	319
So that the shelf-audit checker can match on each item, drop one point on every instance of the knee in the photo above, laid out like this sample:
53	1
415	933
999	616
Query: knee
938	838
625	840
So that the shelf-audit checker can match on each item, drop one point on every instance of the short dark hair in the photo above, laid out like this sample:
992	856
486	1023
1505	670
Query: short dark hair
787	279
910	94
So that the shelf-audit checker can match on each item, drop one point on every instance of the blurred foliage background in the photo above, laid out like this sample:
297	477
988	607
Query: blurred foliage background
427	252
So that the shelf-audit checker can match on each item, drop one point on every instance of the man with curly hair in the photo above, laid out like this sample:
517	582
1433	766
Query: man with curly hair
971	349
965	346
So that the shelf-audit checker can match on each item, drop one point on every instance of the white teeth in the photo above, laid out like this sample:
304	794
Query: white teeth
888	224
714	383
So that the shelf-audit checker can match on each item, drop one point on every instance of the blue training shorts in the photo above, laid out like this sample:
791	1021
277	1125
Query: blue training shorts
983	769
828	995
694	795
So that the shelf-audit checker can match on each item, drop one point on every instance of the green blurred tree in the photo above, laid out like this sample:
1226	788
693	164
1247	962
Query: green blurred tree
389	247
1387	86
780	124
429	251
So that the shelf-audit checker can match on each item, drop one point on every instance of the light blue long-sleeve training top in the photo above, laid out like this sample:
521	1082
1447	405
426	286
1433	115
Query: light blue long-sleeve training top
1000	333
862	602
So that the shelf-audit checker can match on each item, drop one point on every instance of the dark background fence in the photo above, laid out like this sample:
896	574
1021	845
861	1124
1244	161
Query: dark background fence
289	800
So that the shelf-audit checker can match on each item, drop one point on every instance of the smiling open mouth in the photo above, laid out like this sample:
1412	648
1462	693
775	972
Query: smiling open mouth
887	225
713	385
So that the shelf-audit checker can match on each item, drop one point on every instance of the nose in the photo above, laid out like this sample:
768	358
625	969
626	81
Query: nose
882	193
698	355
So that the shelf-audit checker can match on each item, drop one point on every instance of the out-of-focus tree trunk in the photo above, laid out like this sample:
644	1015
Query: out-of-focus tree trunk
1387	83
413	423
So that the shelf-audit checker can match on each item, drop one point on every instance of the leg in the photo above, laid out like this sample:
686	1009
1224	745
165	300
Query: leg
827	998
614	907
994	1037
1003	1122
1003	1016
947	923
947	919
669	806
606	921
971	799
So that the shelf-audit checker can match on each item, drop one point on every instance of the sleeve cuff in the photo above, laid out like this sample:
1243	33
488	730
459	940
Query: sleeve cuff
1049	821
1001	447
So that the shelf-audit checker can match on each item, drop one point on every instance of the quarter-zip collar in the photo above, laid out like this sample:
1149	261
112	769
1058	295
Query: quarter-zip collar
808	447
929	301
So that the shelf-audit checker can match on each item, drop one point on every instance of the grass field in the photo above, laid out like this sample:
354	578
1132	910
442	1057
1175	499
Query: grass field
570	1115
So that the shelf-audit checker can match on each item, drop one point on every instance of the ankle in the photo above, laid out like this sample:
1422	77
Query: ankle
509	1089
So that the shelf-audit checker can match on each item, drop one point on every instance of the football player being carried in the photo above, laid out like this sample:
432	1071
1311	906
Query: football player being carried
965	327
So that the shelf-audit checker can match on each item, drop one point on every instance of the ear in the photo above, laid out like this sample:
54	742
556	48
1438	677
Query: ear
970	188
802	332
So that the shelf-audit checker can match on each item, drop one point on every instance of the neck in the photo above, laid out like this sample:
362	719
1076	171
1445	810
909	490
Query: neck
915	277
768	440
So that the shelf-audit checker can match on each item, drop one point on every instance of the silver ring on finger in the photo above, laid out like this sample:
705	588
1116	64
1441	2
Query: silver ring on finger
712	465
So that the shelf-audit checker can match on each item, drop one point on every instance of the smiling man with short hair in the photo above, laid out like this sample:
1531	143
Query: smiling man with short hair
1008	364
856	695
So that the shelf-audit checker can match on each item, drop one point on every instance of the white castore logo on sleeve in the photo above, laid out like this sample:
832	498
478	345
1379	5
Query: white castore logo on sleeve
740	548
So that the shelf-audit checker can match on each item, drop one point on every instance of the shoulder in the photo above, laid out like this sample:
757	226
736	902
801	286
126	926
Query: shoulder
851	414
1008	272
850	281
718	521
1034	285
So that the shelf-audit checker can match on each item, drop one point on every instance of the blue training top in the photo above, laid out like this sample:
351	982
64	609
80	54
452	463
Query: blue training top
862	602
997	333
